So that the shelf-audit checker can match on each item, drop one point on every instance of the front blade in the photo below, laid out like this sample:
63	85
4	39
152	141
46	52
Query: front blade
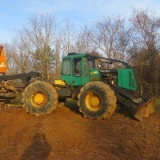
148	108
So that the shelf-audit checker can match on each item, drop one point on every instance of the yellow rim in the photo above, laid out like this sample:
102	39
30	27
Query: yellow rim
93	101
38	98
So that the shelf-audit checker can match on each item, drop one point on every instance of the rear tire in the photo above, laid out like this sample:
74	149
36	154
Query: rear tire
40	98
97	100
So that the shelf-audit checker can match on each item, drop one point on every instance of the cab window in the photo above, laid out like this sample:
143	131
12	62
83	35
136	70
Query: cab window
66	67
77	66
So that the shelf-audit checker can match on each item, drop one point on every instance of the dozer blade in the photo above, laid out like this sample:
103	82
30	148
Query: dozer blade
148	108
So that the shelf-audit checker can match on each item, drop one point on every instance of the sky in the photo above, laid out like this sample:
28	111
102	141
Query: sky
13	14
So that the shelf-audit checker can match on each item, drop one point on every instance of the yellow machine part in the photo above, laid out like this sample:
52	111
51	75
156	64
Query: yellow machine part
59	82
3	61
150	107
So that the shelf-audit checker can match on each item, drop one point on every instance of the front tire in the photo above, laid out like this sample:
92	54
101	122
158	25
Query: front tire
40	98
97	100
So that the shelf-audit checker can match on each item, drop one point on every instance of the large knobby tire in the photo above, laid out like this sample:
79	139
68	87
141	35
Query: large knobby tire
97	100
40	98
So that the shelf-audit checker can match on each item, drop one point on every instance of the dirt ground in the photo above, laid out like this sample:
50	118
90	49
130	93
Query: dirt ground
66	135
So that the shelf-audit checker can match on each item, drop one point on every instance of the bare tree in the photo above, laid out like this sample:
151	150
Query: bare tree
82	42
146	34
36	44
110	37
10	55
67	37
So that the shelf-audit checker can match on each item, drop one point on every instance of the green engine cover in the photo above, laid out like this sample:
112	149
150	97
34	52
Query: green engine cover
127	79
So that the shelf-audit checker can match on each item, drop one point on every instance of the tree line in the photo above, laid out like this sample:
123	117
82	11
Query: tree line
43	40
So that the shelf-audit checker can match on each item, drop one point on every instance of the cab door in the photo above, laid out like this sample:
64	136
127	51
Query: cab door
76	72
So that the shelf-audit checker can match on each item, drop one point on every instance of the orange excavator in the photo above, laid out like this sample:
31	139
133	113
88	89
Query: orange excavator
3	61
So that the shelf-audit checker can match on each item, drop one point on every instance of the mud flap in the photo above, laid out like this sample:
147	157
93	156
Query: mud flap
148	108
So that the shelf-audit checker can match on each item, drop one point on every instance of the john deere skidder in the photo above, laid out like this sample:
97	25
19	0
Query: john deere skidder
98	84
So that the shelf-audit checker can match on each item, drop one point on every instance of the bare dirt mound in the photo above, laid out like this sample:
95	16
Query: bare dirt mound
66	135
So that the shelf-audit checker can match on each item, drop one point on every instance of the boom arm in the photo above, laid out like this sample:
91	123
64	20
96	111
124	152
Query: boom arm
109	60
